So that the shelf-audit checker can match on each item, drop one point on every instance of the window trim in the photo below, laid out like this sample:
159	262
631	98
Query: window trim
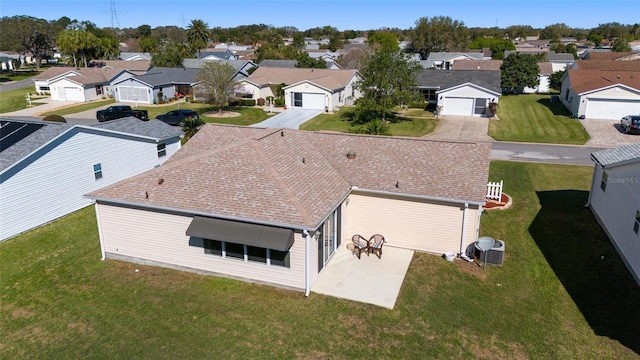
221	252
162	150
97	171
604	180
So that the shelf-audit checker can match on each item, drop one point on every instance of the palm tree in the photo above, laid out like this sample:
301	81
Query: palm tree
198	35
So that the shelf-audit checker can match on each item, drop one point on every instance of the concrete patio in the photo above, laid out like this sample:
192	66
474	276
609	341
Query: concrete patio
368	279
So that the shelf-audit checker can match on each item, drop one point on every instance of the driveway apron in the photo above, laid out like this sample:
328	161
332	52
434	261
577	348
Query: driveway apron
461	128
291	119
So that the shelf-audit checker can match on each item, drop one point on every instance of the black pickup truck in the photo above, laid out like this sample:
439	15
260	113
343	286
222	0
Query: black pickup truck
120	111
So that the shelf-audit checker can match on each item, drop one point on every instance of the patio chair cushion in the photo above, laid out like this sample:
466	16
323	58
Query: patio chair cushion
377	245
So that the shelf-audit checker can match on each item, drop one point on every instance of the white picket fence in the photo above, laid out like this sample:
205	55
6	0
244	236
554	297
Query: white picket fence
494	190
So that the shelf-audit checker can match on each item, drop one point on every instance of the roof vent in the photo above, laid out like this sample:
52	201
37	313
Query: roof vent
160	181
351	154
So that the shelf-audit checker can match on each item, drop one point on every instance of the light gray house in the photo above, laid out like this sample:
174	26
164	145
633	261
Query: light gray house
445	60
273	205
46	168
158	84
615	201
460	92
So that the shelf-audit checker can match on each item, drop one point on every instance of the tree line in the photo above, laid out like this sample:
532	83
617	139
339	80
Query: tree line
83	41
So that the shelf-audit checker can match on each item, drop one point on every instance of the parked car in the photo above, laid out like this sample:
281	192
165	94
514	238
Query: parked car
631	124
120	111
176	117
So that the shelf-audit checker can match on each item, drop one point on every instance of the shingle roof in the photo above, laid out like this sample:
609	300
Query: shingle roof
168	75
53	72
607	65
477	65
605	55
153	129
296	178
93	75
588	80
618	155
279	63
329	79
444	79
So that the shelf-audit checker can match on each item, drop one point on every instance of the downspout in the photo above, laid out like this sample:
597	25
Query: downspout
102	251
307	286
464	228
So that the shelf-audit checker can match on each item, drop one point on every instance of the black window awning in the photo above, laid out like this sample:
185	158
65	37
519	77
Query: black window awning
241	233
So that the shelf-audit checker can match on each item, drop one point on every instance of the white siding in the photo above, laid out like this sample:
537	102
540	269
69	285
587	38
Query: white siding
616	209
460	101
313	97
60	88
421	226
58	177
161	238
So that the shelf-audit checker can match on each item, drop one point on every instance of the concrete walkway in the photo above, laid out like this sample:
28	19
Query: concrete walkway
461	128
368	279
607	133
291	119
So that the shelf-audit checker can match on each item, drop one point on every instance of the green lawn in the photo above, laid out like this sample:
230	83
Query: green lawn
14	100
76	108
533	118
416	123
554	298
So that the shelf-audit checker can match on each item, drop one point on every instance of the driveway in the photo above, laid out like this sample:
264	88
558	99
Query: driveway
607	133
461	128
291	119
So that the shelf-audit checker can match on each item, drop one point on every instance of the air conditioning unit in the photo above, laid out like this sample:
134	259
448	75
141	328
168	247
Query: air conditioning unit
489	251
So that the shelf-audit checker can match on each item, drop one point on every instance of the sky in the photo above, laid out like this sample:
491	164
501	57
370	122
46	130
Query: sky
344	15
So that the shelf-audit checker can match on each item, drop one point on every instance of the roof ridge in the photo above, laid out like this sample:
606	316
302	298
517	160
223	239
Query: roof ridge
304	214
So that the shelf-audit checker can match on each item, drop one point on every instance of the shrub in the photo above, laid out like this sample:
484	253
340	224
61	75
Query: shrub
247	102
261	102
418	105
55	118
270	99
234	102
279	102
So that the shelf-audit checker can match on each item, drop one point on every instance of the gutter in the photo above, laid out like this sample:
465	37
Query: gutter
464	228
417	197
307	282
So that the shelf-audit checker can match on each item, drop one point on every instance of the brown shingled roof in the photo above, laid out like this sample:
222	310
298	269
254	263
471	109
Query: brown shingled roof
606	55
607	65
476	65
329	79
296	178
93	75
588	80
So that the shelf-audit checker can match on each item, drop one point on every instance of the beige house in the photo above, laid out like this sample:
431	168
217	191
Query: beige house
319	89
273	205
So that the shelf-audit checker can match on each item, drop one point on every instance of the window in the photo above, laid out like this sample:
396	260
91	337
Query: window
247	253
162	150
97	171
99	90
429	94
636	225
603	183
212	247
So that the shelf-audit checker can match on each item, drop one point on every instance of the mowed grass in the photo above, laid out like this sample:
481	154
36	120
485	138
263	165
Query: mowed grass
554	298
415	122
14	100
76	108
533	118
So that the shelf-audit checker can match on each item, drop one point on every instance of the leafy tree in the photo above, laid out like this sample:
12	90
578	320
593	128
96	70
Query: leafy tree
298	40
335	42
149	44
28	34
620	45
77	43
519	71
306	61
215	83
555	32
596	40
440	33
519	32
388	80
170	54
555	80
385	40
190	127
497	45
143	31
565	48
198	35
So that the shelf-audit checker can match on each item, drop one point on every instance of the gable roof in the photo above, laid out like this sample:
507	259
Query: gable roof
444	79
167	75
588	80
605	55
442	56
617	156
224	55
253	174
136	66
91	76
552	56
326	78
51	130
477	65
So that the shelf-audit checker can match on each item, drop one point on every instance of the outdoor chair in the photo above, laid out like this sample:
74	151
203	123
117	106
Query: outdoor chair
361	245
375	244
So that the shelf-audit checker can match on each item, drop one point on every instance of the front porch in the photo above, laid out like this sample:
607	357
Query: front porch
368	279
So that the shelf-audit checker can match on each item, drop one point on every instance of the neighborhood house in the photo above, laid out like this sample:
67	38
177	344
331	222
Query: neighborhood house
273	205
46	168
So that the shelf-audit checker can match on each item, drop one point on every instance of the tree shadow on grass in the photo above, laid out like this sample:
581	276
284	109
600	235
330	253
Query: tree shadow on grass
588	266
556	108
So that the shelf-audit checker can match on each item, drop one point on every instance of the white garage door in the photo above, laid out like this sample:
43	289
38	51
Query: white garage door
458	106
611	109
73	94
308	100
133	94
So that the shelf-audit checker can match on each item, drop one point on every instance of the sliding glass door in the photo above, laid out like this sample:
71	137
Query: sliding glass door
328	238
